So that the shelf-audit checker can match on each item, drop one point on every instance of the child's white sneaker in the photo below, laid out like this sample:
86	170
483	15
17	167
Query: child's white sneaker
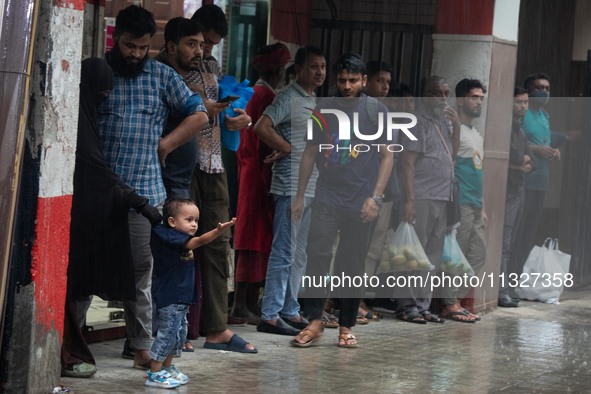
162	379
176	374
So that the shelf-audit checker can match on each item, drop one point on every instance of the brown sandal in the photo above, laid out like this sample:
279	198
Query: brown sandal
307	334
346	339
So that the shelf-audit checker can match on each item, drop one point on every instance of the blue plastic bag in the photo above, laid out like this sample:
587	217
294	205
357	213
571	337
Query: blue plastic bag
228	86
453	260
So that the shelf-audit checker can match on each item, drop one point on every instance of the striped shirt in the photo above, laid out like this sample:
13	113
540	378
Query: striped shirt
289	117
131	122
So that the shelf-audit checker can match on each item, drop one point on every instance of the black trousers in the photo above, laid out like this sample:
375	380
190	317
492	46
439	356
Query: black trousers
349	261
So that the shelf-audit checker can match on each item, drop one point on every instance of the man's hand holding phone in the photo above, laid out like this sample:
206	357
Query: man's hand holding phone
228	99
215	107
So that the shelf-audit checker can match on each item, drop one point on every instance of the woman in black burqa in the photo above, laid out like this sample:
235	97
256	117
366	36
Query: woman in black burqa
100	257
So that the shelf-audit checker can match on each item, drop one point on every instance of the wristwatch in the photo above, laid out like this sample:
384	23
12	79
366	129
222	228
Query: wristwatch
378	198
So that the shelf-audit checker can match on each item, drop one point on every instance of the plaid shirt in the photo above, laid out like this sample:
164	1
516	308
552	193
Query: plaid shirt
131	122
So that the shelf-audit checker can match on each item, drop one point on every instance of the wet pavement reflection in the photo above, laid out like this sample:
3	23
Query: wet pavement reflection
536	348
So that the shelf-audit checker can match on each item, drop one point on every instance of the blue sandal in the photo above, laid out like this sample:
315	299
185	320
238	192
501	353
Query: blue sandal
235	344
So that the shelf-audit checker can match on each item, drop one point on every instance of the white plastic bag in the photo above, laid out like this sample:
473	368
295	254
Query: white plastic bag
544	273
403	251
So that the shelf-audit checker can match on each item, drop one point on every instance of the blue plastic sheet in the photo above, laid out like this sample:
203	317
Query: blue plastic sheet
228	86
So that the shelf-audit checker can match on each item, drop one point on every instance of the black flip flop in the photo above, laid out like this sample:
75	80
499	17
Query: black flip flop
411	317
454	316
431	317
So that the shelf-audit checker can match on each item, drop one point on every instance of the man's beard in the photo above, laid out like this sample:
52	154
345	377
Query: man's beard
188	67
473	113
122	66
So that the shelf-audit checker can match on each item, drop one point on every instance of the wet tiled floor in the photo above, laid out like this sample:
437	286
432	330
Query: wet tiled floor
536	348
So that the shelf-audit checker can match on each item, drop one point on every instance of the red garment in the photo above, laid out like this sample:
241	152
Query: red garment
254	228
251	266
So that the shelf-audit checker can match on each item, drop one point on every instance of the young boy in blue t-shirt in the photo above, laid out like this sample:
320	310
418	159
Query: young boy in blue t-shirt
173	285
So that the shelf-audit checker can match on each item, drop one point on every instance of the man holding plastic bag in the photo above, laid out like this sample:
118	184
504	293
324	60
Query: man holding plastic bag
426	176
468	173
209	190
237	94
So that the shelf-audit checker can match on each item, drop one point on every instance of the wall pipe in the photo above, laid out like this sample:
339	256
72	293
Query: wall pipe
17	36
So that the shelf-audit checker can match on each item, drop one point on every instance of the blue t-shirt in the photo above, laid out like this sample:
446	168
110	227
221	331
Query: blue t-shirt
347	176
173	276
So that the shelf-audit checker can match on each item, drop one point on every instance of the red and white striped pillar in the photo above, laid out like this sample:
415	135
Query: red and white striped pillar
52	137
478	39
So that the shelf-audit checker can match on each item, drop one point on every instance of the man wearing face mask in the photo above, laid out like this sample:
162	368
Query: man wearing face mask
542	143
519	164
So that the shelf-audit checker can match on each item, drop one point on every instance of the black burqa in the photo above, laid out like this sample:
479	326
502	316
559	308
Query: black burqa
100	252
100	255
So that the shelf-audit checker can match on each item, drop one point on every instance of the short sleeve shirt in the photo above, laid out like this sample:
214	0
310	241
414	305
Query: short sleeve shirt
468	168
290	115
173	275
348	174
433	169
132	120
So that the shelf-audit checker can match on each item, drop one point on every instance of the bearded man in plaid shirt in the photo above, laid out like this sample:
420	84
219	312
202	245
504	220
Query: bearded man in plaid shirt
131	122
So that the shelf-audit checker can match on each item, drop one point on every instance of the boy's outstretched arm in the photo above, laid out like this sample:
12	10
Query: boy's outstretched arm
209	236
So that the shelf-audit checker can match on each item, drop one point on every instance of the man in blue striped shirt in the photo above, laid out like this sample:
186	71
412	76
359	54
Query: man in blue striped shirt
131	122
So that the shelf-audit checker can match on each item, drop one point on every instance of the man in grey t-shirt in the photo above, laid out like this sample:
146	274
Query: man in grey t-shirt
426	178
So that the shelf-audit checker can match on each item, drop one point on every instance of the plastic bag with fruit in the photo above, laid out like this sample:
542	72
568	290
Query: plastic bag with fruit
453	261
403	251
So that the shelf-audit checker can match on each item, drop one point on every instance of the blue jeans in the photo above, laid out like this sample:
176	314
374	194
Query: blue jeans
287	261
172	331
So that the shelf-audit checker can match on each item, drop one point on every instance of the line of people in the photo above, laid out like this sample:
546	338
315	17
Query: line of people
149	138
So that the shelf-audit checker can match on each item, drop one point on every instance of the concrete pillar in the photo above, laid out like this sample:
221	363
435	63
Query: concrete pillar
51	135
478	39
